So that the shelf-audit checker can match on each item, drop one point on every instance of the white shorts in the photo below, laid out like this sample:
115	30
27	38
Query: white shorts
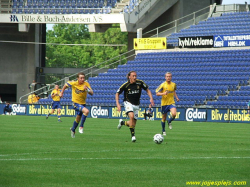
131	108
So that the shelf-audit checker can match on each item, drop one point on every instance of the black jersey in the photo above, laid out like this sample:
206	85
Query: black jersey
132	92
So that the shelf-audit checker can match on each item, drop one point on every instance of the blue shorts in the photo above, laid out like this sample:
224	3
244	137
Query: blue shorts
166	108
56	104
78	108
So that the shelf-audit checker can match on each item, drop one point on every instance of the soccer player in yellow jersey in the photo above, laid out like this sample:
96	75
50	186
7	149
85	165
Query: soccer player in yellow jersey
80	89
33	98
56	103
168	91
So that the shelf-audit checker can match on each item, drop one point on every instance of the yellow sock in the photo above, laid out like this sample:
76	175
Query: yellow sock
125	123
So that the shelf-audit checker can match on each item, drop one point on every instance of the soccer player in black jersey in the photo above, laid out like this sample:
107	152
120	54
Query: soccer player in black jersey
132	94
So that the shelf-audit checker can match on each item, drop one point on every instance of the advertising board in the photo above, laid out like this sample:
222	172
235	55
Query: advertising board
196	42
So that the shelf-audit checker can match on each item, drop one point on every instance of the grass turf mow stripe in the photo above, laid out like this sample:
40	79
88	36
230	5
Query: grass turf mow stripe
39	152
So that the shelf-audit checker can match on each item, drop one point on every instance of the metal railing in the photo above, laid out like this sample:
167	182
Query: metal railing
193	19
51	10
181	23
89	72
232	8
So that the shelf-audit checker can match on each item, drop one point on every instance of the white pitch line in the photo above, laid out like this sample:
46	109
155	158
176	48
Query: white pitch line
100	151
20	154
136	158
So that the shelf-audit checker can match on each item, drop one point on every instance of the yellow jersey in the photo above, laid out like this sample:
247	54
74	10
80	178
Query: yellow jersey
56	95
32	98
79	95
169	98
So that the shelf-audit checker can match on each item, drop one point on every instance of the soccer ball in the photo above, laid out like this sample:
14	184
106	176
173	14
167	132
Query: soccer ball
158	138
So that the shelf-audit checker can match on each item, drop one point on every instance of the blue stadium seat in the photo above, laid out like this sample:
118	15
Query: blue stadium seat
219	78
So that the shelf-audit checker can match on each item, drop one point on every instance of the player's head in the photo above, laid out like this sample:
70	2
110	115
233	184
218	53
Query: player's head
131	76
56	87
81	77
168	76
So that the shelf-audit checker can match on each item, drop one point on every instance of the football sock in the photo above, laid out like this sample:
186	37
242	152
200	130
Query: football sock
163	124
83	120
171	119
125	123
132	130
75	124
59	117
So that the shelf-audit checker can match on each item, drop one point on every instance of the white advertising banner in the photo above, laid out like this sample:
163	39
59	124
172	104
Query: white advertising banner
63	18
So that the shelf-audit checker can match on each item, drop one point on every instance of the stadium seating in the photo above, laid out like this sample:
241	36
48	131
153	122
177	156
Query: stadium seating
63	6
131	6
66	100
225	86
69	6
202	77
215	78
228	23
236	99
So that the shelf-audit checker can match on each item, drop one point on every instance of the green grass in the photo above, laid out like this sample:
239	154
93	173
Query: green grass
39	152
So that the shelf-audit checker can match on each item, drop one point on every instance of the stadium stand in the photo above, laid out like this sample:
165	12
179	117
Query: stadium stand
228	23
216	78
130	6
63	6
202	77
72	6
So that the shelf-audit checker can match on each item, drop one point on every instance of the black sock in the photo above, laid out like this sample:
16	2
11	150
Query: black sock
123	123
132	130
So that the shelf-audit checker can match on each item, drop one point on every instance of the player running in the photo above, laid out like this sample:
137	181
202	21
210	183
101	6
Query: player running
168	91
56	103
132	93
149	113
80	89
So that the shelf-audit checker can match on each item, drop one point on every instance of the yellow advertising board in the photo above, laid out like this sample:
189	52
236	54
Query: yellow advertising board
150	43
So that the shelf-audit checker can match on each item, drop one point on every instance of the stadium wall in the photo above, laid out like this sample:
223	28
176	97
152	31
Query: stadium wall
154	18
180	9
18	61
183	114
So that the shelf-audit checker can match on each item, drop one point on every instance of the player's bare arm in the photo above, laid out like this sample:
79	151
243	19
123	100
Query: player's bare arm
161	93
64	88
177	99
151	97
117	102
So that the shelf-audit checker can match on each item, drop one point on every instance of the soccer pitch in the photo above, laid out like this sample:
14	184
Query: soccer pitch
39	152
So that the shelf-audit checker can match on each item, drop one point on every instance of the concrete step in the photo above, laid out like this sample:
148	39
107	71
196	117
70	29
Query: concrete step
5	5
217	14
121	4
125	1
5	2
5	10
116	10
